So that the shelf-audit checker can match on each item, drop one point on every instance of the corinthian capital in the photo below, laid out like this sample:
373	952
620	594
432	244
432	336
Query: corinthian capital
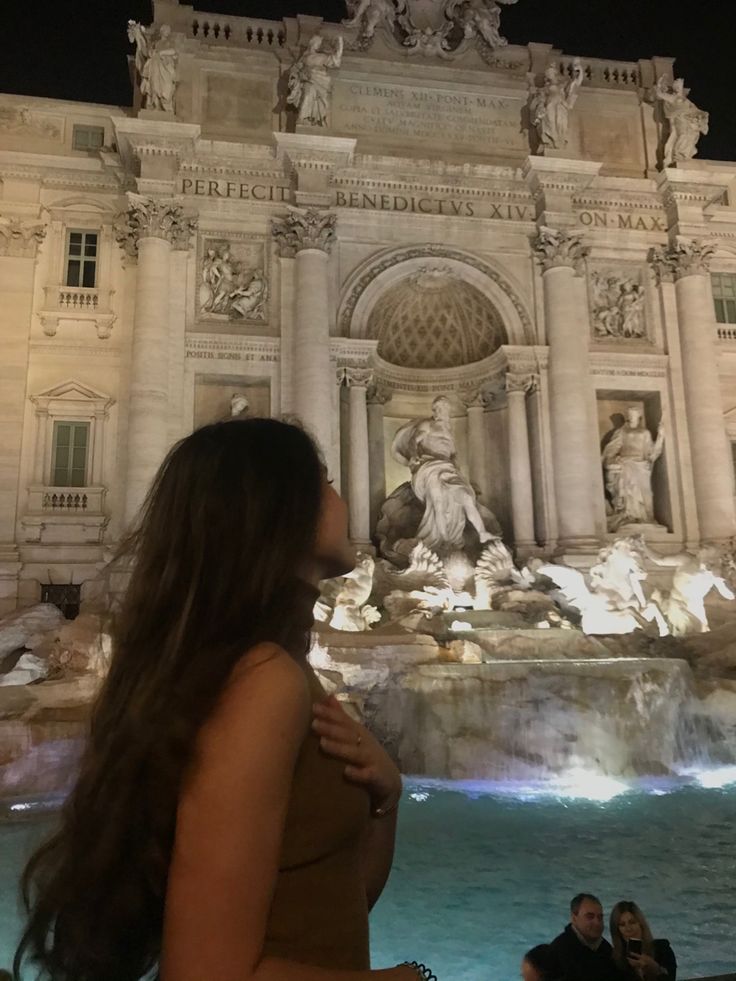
304	228
358	377
20	238
524	384
684	258
152	218
559	247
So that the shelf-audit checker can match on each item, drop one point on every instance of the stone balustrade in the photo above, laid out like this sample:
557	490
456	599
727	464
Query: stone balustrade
238	30
65	500
727	333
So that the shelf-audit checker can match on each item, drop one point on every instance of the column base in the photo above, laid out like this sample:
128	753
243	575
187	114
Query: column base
578	553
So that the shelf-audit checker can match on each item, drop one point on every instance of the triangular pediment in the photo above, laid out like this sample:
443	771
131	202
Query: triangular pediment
73	391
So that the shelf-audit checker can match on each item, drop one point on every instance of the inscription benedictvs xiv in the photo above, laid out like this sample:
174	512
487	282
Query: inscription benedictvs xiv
423	205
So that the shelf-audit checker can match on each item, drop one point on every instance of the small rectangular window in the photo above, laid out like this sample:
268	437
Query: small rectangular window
81	259
724	297
88	137
69	454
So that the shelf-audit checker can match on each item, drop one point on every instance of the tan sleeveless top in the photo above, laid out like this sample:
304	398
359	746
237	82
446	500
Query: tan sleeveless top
319	913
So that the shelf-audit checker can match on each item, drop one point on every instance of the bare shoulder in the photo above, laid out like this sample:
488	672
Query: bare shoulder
266	690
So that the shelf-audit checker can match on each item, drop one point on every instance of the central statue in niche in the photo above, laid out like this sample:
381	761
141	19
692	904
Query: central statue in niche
437	508
427	448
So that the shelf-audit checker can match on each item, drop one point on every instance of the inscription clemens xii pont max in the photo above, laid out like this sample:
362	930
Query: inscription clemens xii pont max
431	115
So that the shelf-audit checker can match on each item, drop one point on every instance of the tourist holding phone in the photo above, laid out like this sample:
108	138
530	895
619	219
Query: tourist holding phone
635	951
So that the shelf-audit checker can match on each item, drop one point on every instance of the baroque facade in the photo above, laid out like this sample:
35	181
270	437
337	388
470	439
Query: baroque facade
343	222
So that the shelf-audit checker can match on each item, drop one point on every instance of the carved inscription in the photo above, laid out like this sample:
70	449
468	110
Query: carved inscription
233	189
469	119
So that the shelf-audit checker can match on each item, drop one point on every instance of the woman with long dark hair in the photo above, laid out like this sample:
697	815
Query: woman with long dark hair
229	823
656	960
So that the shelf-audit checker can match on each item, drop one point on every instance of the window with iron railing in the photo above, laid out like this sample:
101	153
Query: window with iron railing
69	454
81	258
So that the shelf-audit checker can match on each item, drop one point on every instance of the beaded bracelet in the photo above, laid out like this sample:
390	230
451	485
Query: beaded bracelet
422	970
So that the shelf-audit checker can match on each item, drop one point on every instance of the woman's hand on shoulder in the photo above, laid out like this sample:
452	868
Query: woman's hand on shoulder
367	762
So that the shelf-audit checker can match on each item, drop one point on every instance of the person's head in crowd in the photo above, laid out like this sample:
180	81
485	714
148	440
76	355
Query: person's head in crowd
540	964
629	923
586	916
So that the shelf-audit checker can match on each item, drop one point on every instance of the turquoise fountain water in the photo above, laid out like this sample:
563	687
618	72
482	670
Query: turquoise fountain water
485	871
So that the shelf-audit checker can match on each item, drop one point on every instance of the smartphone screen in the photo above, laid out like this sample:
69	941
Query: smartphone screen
633	946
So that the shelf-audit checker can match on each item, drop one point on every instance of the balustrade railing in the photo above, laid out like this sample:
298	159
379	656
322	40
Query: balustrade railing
77	299
610	74
239	31
727	332
66	501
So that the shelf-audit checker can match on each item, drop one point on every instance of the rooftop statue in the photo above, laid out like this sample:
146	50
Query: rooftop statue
550	105
438	28
686	123
310	82
156	61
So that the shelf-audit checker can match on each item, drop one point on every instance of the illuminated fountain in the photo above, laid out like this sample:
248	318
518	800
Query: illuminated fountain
474	669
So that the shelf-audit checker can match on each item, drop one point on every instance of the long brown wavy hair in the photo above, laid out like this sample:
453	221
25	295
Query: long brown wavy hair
230	519
619	947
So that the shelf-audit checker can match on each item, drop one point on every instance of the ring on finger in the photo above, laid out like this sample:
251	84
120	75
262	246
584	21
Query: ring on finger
359	740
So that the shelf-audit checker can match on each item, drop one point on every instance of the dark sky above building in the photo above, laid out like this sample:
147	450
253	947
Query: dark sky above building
76	49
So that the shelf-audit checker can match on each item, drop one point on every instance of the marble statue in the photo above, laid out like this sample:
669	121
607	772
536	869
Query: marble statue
248	298
427	448
368	14
230	287
156	61
618	307
686	123
628	458
694	576
343	602
310	82
352	611
550	106
613	601
479	18
239	406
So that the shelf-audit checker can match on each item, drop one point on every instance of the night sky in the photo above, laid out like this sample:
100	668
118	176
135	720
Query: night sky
69	49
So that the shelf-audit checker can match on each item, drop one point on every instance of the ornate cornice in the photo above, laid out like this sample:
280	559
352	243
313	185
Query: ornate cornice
684	258
304	228
148	217
559	247
20	237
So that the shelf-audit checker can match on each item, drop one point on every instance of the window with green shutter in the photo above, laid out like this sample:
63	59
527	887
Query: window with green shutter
724	297
81	259
69	461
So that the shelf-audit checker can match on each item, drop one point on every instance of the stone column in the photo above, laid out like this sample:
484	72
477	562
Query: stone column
477	439
520	465
20	238
377	398
561	255
146	231
359	502
688	262
309	234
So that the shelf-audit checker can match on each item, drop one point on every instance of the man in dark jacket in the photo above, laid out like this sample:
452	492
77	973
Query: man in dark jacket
581	950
